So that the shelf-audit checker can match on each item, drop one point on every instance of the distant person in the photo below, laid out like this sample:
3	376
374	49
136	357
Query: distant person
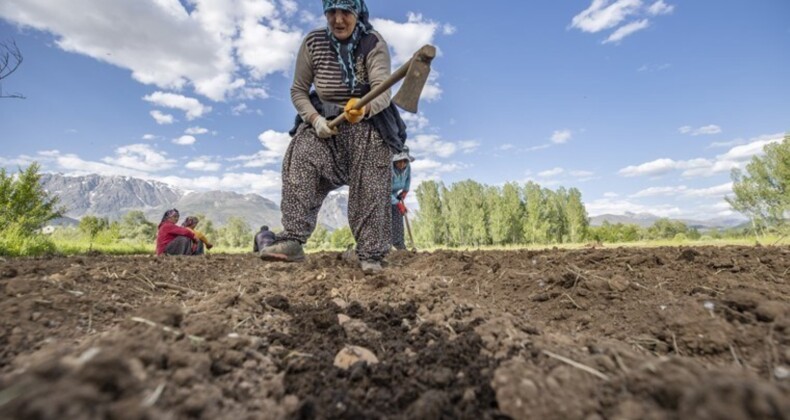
172	239
202	242
343	61
263	239
401	181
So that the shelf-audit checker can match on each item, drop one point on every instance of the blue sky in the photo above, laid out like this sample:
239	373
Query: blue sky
643	105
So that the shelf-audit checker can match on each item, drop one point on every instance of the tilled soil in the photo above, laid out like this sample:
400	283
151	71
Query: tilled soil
659	333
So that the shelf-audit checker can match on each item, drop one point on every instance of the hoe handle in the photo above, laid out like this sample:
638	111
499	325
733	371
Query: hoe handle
395	77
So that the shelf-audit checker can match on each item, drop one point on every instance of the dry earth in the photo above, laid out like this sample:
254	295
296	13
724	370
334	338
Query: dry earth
662	333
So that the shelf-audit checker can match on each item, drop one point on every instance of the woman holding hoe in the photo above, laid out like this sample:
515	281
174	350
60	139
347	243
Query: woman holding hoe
342	62
401	182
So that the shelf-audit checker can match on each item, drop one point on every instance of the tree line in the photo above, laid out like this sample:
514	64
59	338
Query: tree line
469	213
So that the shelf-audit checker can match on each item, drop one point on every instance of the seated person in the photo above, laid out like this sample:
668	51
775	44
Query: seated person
172	239
202	243
263	238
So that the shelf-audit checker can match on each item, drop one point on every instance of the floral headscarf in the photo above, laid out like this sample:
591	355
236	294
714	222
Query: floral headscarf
190	221
168	214
345	51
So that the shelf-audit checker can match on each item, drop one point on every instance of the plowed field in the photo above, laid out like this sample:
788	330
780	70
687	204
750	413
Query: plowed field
651	333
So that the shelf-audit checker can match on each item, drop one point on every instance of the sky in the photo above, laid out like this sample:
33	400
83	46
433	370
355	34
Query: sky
642	105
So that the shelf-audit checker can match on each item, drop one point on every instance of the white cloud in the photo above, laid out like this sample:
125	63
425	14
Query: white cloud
166	46
265	183
627	30
603	15
660	191
185	140
203	163
162	118
448	29
192	107
561	136
274	143
607	14
149	137
140	157
660	8
737	157
415	122
715	191
431	145
705	130
240	109
194	131
468	146
611	194
405	39
551	172
656	167
506	146
613	205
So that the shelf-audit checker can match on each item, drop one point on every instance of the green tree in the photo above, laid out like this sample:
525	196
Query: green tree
534	214
762	192
342	238
319	239
24	203
430	227
505	213
91	226
135	227
578	222
666	229
236	233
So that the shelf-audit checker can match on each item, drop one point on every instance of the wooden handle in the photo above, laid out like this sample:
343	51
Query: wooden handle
374	93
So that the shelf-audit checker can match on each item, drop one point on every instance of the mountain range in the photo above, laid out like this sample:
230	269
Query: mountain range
648	219
114	196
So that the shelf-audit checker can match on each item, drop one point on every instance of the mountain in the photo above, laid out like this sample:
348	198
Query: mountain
648	219
114	196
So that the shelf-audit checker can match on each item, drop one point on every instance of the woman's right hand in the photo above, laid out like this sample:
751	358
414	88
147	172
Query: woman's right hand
322	129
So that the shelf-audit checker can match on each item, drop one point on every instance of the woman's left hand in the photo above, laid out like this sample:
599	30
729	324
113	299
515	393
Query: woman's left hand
353	115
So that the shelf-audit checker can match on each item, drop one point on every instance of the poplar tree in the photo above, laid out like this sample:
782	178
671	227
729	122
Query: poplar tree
762	191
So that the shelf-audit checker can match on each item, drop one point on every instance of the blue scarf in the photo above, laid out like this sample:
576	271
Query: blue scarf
345	50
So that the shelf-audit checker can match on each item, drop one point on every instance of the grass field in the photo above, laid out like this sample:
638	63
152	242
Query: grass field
74	246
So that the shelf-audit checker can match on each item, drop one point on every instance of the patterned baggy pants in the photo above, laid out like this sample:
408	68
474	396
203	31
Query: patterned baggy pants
312	167
397	228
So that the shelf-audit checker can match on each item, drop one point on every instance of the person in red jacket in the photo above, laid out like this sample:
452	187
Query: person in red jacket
172	239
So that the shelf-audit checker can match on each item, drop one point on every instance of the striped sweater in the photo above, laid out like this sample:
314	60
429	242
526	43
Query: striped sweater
317	65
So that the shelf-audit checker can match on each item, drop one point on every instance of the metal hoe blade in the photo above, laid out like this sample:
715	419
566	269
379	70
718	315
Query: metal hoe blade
408	95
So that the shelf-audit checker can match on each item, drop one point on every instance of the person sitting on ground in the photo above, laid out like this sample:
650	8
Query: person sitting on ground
172	239
202	243
263	239
343	61
401	181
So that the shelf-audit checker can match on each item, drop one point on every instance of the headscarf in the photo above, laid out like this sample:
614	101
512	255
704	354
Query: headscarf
168	214
190	221
345	50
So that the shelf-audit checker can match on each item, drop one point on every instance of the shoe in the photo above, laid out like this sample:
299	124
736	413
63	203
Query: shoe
370	266
288	251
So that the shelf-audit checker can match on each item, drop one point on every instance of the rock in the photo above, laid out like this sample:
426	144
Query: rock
7	272
342	304
342	319
357	330
618	284
769	310
353	354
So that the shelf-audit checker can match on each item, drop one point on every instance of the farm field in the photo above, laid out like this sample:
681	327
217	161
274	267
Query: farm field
615	333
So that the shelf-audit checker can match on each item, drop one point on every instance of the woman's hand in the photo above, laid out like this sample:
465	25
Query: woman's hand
354	115
322	128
